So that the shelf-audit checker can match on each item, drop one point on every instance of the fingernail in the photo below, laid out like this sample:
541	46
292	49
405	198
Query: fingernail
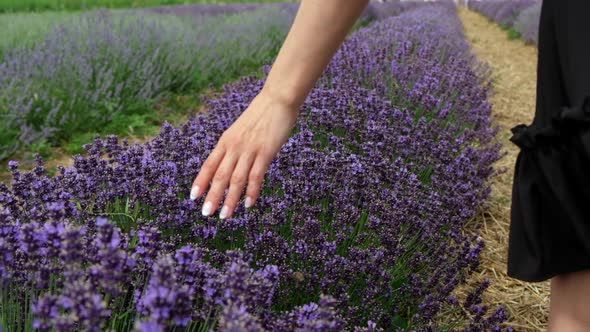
224	211
248	202
207	208
194	193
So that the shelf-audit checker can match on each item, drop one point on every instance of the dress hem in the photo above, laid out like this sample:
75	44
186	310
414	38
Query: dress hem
547	276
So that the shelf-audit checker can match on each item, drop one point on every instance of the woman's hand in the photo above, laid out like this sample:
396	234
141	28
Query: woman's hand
247	148
243	154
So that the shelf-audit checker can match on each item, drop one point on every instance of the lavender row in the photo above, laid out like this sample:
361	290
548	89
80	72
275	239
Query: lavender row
20	30
359	228
527	23
504	12
25	29
205	9
382	10
215	9
103	63
522	15
374	10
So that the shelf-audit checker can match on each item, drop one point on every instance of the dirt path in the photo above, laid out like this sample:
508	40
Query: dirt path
514	71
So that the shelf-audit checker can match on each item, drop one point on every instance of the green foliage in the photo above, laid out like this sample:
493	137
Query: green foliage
43	148
513	34
134	124
76	144
7	135
400	322
147	124
52	171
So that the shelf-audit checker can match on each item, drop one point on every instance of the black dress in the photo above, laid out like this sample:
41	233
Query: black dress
550	213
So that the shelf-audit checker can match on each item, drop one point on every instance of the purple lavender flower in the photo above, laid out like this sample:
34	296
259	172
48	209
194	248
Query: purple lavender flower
235	318
165	300
77	307
148	327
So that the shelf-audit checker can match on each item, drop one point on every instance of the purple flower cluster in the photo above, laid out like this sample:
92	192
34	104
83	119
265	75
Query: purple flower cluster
359	228
105	63
504	12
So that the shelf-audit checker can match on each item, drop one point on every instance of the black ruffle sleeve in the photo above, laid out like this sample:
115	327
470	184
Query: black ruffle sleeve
550	230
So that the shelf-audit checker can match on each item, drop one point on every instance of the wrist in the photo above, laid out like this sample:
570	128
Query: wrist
287	98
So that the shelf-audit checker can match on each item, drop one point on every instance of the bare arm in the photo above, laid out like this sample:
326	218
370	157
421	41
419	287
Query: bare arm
246	149
318	31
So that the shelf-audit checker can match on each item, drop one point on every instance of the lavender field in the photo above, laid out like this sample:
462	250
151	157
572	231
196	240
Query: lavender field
362	222
520	17
11	6
101	68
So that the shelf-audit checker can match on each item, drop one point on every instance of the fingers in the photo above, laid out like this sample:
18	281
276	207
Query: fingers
207	172
237	183
222	169
256	179
220	182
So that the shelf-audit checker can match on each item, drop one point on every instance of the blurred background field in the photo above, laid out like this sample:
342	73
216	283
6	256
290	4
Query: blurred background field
44	5
67	77
520	18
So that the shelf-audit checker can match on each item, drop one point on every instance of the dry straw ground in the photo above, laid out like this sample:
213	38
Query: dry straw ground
513	65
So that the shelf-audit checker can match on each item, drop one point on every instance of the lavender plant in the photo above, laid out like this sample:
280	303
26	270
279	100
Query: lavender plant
528	23
359	228
102	64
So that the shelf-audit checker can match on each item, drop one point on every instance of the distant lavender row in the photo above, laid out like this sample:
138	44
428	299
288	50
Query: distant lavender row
527	23
102	63
382	10
214	9
12	6
359	228
24	29
374	11
504	12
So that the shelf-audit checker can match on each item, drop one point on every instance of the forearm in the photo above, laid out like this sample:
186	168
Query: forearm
319	29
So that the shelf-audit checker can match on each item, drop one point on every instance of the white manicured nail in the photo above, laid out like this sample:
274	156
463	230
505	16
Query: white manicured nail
207	208
194	193
248	202
224	212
